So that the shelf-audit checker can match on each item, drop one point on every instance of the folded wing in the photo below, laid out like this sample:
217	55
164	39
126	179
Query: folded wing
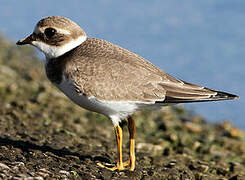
183	92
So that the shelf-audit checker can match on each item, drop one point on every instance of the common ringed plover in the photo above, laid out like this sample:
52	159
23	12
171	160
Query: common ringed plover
105	78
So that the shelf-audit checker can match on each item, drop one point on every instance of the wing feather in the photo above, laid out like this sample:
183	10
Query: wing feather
111	73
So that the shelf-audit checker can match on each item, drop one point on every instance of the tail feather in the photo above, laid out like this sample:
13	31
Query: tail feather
178	91
177	97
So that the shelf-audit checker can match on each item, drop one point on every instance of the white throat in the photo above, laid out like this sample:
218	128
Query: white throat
56	51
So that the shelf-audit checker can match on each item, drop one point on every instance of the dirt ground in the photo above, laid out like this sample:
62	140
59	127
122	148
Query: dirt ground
45	136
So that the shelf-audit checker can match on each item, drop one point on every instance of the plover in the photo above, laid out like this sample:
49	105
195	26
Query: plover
105	78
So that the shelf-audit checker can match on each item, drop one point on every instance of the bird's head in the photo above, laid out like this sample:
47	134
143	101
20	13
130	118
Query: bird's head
54	36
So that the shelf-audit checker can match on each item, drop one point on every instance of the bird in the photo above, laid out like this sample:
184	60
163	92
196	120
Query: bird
108	79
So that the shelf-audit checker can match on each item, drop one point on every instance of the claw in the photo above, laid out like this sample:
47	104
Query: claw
112	167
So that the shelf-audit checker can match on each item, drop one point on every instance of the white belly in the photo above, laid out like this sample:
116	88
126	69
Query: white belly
109	108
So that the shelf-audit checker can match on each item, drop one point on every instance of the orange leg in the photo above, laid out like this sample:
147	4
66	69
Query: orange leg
120	164
131	129
119	135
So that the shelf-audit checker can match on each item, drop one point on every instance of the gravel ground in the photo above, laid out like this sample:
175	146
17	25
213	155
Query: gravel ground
45	136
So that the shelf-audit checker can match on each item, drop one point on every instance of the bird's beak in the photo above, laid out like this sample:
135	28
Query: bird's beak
27	40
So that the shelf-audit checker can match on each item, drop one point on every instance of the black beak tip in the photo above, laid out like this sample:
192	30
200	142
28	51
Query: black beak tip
19	43
26	40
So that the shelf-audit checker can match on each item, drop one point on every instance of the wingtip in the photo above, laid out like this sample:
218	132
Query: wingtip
227	96
235	97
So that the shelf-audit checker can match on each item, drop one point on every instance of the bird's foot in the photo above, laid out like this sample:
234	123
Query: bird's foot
112	167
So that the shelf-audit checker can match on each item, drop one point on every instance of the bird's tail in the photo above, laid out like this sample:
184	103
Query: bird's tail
218	97
187	93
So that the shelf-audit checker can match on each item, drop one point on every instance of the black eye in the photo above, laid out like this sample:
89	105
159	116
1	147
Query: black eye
49	32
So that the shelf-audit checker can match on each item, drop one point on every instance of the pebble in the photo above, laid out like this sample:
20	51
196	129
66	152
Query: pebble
4	166
193	127
2	175
45	171
154	149
19	163
38	178
64	172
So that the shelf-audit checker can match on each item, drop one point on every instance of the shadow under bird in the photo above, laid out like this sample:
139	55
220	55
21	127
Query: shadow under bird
105	78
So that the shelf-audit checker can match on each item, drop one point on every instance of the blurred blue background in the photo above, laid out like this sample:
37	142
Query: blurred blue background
198	41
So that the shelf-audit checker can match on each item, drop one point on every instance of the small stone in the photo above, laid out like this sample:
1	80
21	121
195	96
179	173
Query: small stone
38	178
171	164
3	176
7	71
154	149
44	170
4	166
19	163
64	172
74	173
196	145
43	174
193	127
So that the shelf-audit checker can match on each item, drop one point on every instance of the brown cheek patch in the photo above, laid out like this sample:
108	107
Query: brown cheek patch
56	40
40	37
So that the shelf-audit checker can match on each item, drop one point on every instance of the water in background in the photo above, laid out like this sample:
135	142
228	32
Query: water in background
198	41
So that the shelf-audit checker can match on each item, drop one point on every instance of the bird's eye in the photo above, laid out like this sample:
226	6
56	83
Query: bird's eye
49	32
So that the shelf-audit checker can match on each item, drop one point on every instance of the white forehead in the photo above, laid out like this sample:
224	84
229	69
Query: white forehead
38	30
